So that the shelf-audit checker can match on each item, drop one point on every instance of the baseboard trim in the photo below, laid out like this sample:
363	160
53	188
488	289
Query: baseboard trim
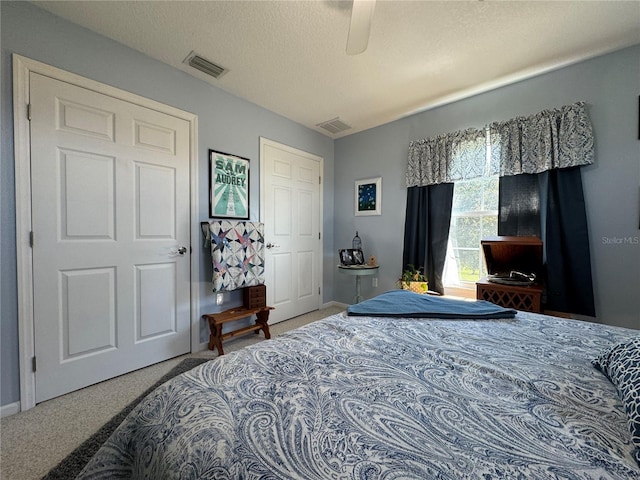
9	409
335	304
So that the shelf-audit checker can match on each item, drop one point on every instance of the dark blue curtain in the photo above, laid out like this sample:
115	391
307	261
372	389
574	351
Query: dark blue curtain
519	206
426	230
551	205
569	282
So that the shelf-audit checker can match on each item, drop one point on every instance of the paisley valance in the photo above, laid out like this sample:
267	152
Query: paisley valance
446	158
555	138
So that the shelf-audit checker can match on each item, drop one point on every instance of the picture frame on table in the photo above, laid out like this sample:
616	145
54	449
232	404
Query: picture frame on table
351	257
368	197
228	186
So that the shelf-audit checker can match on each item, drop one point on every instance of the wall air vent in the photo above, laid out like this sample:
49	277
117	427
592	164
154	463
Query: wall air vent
334	126
200	63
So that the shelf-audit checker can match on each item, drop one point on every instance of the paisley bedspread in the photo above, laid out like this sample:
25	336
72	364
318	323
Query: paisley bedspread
382	398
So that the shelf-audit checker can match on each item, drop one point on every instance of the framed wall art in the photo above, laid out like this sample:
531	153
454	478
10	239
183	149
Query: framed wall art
368	197
228	186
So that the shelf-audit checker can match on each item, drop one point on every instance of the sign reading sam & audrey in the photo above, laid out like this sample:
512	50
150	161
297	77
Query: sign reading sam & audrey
228	186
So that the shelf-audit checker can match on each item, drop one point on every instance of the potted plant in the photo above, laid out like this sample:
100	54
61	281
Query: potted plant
413	279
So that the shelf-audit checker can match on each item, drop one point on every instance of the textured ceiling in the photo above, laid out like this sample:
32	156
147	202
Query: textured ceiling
289	56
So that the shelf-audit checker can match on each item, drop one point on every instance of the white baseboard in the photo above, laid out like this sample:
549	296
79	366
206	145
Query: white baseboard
335	304
9	409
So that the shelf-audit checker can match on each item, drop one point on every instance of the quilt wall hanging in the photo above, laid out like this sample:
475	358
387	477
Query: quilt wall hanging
237	253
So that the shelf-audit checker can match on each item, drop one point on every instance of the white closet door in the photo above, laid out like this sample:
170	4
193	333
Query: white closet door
110	199
290	211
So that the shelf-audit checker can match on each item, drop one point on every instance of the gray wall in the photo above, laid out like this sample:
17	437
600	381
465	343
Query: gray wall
226	123
609	84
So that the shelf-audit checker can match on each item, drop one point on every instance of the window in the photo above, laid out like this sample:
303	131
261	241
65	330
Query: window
474	216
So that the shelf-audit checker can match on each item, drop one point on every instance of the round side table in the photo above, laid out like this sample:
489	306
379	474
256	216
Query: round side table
358	271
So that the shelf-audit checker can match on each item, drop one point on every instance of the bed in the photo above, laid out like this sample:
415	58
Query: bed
379	397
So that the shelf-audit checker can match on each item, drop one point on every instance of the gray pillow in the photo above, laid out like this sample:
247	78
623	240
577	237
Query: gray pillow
621	365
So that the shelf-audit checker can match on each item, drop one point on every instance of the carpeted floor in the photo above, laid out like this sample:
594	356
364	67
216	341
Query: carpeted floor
73	464
32	443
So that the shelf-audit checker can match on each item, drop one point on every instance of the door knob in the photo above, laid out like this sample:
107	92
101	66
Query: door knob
271	245
182	250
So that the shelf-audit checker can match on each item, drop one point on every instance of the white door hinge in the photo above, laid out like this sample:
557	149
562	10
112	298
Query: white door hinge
33	364
31	239
29	111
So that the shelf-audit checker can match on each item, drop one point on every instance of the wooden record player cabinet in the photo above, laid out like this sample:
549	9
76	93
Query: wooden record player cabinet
527	298
504	254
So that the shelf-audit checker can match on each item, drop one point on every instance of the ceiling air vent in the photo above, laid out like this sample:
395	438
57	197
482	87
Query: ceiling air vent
200	63
334	126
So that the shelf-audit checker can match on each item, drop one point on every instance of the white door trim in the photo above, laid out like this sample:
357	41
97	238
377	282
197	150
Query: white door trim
22	67
264	142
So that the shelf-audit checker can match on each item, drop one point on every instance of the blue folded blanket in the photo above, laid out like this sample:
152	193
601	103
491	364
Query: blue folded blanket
403	303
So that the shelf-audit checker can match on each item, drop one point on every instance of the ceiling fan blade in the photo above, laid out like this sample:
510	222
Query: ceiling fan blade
360	26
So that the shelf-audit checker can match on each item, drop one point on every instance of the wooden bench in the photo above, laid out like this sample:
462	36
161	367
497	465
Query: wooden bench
216	320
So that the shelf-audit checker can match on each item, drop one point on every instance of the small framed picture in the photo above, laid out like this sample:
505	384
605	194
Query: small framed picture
228	186
351	256
368	197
